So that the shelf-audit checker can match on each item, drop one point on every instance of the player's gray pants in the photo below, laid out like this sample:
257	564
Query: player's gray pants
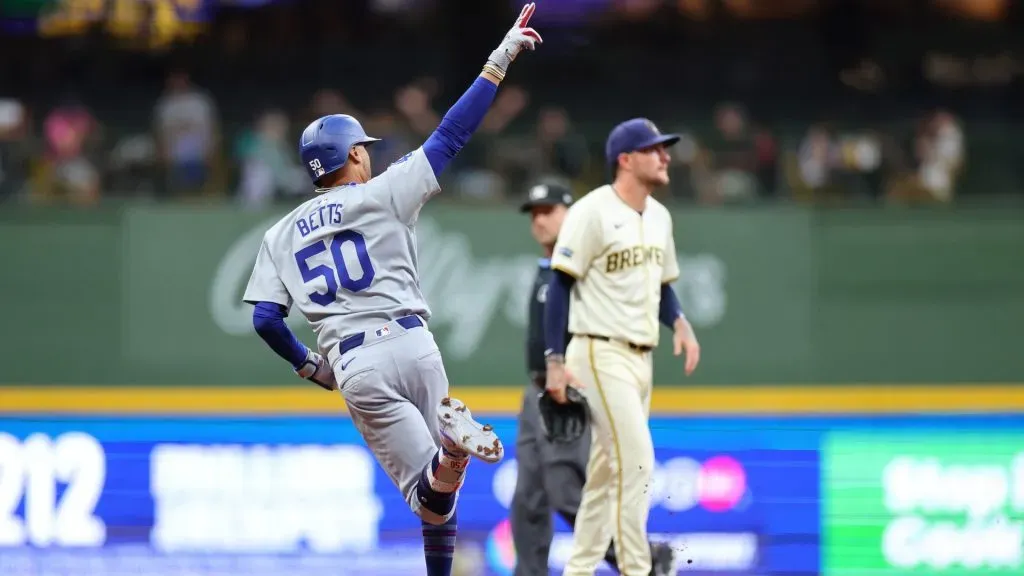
550	479
393	385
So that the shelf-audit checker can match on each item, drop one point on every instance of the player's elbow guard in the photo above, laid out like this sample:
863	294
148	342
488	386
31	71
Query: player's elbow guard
262	324
265	318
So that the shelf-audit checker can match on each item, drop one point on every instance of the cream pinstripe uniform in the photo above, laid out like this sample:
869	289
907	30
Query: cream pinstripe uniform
619	258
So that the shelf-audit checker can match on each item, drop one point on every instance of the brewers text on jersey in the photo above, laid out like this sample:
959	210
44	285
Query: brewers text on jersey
635	256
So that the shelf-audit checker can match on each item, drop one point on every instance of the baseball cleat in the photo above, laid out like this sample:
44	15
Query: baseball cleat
461	433
663	559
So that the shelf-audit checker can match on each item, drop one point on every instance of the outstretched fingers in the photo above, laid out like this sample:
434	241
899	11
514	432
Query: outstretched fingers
524	16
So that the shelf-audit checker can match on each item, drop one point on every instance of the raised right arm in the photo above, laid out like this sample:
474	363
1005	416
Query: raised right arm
458	124
463	118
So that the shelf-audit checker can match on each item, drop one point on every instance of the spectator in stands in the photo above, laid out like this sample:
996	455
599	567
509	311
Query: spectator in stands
395	142
563	150
329	101
481	163
553	149
816	161
413	120
15	147
71	139
686	169
939	152
766	149
186	126
132	167
732	158
269	169
415	104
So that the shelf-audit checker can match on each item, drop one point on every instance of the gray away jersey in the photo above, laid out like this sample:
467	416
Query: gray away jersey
347	258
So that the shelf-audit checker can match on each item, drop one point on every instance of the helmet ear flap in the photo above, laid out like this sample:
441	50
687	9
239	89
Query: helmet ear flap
336	156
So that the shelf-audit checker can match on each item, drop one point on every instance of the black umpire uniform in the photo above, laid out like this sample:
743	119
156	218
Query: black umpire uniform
551	476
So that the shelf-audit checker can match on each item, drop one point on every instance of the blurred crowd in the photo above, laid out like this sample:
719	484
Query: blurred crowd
789	100
64	154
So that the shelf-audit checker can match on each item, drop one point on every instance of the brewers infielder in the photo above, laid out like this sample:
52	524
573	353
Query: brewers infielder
347	260
615	260
550	474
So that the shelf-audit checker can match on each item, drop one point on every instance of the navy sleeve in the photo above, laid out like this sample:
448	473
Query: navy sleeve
670	308
459	124
268	319
556	312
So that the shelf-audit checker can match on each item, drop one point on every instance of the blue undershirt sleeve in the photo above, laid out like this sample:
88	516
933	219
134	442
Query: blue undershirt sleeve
461	121
556	312
268	319
669	309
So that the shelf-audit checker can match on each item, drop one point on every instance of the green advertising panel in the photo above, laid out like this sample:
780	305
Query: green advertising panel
911	503
186	270
151	295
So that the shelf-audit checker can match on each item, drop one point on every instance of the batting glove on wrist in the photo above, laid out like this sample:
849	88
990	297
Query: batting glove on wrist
519	37
315	369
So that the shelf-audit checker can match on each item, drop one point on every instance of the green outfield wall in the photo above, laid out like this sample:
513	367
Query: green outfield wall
150	295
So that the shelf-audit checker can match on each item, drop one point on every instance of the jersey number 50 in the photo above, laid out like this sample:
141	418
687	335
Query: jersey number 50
341	274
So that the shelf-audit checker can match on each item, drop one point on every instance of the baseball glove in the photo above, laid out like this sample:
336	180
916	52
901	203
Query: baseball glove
564	423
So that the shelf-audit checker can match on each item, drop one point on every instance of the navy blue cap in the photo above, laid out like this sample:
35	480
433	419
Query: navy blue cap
632	135
549	193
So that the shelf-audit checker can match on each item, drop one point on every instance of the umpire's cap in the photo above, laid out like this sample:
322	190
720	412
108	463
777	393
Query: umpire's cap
632	135
326	141
548	193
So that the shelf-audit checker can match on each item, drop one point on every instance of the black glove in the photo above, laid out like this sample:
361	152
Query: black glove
564	423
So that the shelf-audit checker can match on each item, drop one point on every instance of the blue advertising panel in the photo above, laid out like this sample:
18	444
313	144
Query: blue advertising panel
261	496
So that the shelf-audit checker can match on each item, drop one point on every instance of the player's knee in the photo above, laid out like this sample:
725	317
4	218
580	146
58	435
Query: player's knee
637	452
638	470
637	467
433	518
432	507
526	486
565	501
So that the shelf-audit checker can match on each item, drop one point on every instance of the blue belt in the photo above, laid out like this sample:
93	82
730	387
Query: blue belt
356	340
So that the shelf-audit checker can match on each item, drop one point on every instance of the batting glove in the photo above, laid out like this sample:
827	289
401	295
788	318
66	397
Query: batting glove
315	369
519	37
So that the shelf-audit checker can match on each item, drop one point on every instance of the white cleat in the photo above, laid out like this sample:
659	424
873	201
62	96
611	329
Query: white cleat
461	433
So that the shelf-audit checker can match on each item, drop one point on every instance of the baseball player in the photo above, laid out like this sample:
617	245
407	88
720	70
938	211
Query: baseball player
614	263
347	260
550	474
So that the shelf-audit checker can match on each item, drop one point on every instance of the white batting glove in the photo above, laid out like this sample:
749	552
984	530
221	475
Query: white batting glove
519	37
316	370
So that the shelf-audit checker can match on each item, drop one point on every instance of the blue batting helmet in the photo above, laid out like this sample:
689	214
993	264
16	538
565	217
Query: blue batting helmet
326	141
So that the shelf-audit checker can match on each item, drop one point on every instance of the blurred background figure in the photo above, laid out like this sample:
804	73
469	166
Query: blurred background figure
494	156
269	169
817	158
187	135
71	135
733	159
15	147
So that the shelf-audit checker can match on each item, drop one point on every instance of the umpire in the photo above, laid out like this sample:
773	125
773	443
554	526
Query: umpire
550	474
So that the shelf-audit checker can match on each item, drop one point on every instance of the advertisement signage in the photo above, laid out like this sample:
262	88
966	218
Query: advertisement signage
914	503
303	495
